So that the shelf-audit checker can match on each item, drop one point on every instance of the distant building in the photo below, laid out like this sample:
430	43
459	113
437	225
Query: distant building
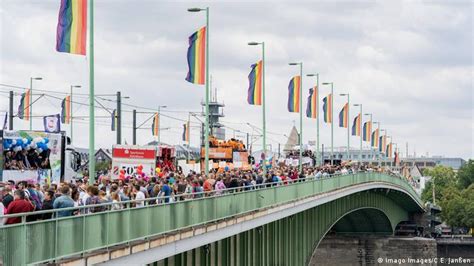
429	162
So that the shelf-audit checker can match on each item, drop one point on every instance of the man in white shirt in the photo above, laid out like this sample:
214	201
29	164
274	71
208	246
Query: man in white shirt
139	196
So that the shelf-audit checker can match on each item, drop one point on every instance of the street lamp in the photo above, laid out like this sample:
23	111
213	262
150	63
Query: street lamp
348	128
332	120
206	134
71	101
317	115
301	115
360	131
31	100
264	126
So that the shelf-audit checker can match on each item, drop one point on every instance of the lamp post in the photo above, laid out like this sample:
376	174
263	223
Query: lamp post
369	136
159	121
301	115
71	101
332	119
348	128
317	115
360	130
31	100
264	126
206	130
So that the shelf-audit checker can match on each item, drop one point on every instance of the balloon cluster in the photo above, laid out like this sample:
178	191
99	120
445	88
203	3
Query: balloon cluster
40	144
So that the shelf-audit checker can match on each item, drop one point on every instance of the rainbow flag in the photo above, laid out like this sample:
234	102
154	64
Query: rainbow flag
312	107
72	27
197	57
375	138
367	131
186	132
66	110
389	150
24	107
294	95
255	84
344	116
155	125
356	126
327	108
114	120
382	143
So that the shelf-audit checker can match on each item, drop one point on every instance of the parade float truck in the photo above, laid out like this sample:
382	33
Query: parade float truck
37	157
231	154
128	160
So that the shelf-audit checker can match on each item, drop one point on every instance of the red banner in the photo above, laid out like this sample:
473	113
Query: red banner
133	153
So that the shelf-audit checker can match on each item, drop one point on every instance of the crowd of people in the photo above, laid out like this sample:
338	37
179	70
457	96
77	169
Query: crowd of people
31	159
136	191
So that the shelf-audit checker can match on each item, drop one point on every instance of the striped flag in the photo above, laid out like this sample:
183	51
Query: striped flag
186	132
155	125
327	108
375	138
72	27
382	144
294	95
24	107
344	116
113	125
356	126
367	131
66	110
254	96
389	150
197	57
312	107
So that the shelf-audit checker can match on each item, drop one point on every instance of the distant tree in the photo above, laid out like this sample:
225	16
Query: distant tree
443	177
466	174
458	207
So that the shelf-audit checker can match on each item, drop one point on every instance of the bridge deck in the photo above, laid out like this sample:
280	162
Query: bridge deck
47	240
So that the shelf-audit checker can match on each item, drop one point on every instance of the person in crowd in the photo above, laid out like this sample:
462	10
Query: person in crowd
7	195
64	201
47	204
20	204
139	196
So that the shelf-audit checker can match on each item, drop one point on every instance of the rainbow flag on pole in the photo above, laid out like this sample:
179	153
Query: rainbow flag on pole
389	150
382	143
24	107
312	107
375	138
327	108
66	110
356	126
197	57
255	84
155	125
344	116
72	27
367	130
294	95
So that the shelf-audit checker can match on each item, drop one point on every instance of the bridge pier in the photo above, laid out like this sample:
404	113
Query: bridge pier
372	250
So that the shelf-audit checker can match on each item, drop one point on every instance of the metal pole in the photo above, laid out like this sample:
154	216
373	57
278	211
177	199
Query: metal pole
348	127
10	114
369	137
247	144
263	113
72	129
332	123
301	118
318	157
119	117
206	136
134	127
159	122
31	104
91	97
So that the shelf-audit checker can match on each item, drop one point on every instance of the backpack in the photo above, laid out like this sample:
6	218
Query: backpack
35	199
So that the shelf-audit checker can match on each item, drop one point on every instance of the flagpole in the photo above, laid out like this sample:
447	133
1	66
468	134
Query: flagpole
206	137
91	96
301	118
263	114
318	157
332	123
348	128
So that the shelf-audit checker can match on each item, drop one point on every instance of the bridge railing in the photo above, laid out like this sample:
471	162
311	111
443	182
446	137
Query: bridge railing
53	239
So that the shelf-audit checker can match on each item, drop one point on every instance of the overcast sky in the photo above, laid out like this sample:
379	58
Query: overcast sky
410	63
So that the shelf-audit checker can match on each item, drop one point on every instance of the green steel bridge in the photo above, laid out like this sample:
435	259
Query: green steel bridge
277	225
